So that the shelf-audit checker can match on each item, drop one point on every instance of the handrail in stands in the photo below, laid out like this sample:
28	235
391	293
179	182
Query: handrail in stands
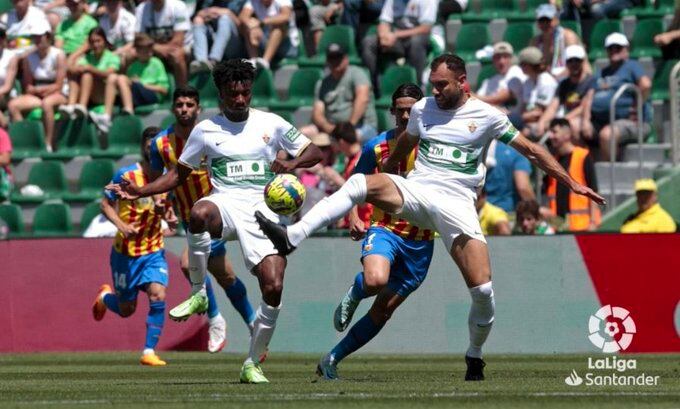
613	140
674	82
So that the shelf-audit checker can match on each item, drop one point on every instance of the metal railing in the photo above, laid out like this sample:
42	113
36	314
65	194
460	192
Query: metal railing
674	82
613	140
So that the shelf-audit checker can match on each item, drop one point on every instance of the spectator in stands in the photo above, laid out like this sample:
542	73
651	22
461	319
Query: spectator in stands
321	14
505	88
269	29
9	66
621	70
650	216
216	20
574	96
507	179
529	220
404	31
119	25
600	9
6	182
669	42
145	82
43	79
21	22
579	212
89	70
553	40
448	7
344	95
167	23
537	91
355	12
492	219
72	32
55	10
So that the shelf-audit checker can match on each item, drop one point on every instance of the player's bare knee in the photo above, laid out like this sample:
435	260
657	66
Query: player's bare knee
157	294
374	281
199	218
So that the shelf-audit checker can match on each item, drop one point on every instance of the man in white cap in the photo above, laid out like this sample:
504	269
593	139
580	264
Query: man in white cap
21	22
505	88
553	39
574	95
621	70
537	91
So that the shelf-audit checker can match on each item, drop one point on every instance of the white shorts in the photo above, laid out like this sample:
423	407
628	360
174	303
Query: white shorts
449	214
238	223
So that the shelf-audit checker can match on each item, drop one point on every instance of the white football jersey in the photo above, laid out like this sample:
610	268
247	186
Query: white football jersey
453	142
239	154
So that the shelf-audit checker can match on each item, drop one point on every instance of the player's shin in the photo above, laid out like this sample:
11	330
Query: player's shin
357	291
154	325
330	209
238	296
264	325
359	335
481	317
199	251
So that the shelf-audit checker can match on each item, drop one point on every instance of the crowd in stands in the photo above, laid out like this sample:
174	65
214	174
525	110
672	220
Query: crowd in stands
74	59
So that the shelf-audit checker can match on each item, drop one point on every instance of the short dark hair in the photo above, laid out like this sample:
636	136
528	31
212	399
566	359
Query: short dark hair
344	131
408	90
149	133
233	70
142	40
561	122
527	207
186	91
453	63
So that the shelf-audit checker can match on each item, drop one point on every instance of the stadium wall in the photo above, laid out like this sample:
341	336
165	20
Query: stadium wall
546	290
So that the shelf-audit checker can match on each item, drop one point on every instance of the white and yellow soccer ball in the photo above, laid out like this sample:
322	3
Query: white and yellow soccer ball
284	194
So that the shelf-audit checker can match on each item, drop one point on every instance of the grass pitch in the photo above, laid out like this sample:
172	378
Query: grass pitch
193	380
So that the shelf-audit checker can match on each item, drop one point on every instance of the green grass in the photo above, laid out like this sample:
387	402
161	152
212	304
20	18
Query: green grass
200	380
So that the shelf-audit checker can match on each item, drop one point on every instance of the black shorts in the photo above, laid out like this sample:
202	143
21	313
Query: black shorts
142	95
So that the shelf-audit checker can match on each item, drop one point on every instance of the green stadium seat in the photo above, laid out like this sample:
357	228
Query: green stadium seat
50	177
52	219
337	33
263	91
76	137
384	120
168	120
651	9
5	6
643	44
91	211
11	214
490	9
93	177
302	53
572	25
471	38
601	30
205	85
528	13
519	34
28	139
124	137
487	71
391	79
301	89
661	81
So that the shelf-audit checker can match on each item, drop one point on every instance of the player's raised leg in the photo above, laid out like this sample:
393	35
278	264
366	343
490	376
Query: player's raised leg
154	324
472	257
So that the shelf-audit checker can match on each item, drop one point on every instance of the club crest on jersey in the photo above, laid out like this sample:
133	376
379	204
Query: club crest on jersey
266	138
472	126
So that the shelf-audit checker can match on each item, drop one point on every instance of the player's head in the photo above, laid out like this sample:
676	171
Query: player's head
560	133
448	78
147	136
527	216
186	105
403	99
234	80
345	135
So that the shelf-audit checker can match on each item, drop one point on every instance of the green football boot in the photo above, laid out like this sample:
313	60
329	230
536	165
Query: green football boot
345	311
252	373
196	304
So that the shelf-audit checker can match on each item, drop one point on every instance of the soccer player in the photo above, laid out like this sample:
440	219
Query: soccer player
240	146
137	257
396	255
451	130
165	149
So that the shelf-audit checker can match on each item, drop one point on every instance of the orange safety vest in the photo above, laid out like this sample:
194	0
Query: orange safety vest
578	217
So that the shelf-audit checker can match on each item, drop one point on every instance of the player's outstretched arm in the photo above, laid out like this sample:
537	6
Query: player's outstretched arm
309	157
130	191
540	157
405	144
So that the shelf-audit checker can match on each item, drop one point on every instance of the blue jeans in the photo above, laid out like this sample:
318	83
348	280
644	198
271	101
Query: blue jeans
610	8
356	11
225	39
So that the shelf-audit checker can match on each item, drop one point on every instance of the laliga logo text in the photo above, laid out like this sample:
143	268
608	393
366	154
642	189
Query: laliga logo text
618	327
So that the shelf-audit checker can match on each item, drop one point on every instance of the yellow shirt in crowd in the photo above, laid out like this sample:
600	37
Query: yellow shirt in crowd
489	216
652	220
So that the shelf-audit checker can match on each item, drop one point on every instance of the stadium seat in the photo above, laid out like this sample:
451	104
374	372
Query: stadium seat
302	53
385	120
572	25
651	9
643	44
5	6
301	89
203	82
519	35
528	13
93	177
91	211
601	30
169	120
489	10
661	81
263	90
52	219
50	177
76	137
337	33
11	214
391	79
124	137
28	139
471	38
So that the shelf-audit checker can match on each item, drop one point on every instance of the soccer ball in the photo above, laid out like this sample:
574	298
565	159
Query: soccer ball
284	194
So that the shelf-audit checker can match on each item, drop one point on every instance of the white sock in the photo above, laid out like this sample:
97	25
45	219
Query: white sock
481	317
330	209
147	351
199	251
264	324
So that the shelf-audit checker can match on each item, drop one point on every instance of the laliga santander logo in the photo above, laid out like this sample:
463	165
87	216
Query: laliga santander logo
611	329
